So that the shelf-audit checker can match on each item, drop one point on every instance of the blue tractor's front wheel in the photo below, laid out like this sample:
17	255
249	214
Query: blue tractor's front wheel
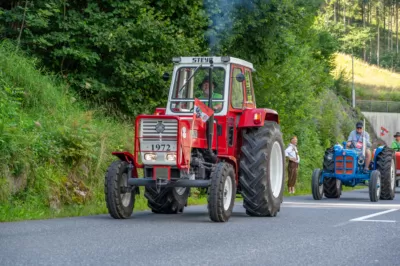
375	186
317	187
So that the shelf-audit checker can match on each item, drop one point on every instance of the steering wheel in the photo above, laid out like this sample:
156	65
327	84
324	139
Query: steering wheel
352	145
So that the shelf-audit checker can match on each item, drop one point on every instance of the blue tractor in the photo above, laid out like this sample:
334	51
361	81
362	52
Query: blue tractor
343	166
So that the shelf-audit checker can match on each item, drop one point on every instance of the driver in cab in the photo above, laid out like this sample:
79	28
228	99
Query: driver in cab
355	140
205	87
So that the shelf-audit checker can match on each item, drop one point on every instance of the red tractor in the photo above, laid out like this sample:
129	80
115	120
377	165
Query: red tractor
238	150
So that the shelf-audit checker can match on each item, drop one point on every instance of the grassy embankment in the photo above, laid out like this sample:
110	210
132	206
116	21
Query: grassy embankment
54	149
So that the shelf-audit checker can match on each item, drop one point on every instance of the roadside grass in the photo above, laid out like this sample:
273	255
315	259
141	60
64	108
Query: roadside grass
371	82
54	148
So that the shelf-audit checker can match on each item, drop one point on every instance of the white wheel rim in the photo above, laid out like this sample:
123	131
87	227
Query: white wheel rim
321	188
276	169
392	175
125	197
227	193
378	186
180	190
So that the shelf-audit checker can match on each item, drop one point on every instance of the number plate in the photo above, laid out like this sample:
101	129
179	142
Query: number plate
158	146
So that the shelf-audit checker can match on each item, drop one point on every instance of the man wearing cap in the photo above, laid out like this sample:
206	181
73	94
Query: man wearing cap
396	142
355	140
206	92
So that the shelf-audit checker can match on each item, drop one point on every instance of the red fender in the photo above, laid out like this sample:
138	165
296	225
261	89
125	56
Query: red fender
257	117
127	157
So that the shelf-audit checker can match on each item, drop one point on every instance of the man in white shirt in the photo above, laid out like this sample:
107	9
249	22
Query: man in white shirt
293	166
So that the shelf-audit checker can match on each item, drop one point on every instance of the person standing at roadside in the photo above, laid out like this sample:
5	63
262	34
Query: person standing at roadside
396	142
293	166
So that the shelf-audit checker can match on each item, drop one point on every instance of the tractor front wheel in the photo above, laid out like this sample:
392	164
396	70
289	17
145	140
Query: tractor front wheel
317	188
332	188
222	192
387	167
120	198
375	186
262	167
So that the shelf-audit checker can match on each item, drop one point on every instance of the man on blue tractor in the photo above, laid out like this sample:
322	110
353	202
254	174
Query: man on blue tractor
356	141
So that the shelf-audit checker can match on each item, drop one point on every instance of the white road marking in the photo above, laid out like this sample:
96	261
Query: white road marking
339	205
379	221
364	218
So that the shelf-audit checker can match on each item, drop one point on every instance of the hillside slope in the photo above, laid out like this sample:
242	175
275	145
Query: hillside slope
371	82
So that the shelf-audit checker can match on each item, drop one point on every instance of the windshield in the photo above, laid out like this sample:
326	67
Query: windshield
197	87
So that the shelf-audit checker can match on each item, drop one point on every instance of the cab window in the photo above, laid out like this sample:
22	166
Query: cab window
250	100
237	90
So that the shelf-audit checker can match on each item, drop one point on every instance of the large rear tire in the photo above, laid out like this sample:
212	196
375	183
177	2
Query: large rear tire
120	199
386	165
329	162
375	186
317	188
332	186
262	164
166	200
222	192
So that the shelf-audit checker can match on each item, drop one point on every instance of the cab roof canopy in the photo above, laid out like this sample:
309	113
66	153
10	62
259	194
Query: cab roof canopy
205	60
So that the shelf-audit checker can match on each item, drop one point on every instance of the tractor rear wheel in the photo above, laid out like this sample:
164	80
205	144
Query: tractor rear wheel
329	165
375	186
222	192
332	188
120	198
262	163
166	200
387	167
317	188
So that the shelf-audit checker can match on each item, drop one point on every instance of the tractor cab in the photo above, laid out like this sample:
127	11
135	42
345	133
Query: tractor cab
231	87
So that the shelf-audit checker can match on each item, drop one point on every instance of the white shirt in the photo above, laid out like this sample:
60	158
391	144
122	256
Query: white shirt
291	152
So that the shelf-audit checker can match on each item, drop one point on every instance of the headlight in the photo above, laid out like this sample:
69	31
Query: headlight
171	156
150	156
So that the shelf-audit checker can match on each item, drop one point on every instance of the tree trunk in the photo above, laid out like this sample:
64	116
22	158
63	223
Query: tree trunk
397	27
378	36
335	11
22	24
389	26
363	20
344	15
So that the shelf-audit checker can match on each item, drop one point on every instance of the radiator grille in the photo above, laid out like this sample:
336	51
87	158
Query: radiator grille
158	128
344	165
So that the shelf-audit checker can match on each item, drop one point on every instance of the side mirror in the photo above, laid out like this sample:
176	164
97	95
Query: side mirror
240	77
165	77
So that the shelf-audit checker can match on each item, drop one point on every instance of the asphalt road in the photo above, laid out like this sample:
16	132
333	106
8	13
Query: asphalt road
350	231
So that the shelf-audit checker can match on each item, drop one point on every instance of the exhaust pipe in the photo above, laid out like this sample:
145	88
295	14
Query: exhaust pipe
210	122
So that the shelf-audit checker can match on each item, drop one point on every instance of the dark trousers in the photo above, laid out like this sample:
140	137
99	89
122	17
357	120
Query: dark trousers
292	173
